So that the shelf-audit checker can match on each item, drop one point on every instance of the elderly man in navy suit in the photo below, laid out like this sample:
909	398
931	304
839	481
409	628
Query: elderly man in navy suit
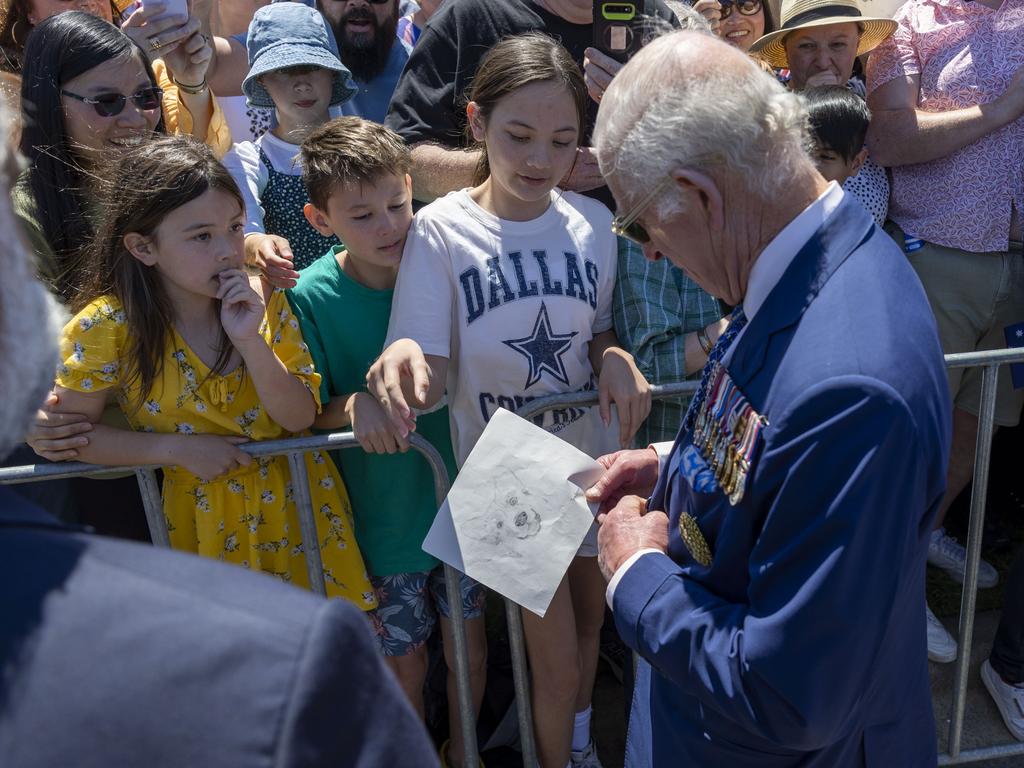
773	580
116	654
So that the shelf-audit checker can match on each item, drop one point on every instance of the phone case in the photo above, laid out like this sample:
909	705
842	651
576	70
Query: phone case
172	8
617	28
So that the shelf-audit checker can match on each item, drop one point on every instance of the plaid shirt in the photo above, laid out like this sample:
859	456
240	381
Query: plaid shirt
655	306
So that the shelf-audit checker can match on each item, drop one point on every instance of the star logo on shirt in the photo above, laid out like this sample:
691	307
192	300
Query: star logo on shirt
1020	333
544	349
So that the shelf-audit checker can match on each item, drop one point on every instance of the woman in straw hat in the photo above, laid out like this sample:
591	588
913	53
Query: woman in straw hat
818	42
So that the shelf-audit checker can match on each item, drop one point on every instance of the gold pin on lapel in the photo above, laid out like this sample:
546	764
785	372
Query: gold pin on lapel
694	539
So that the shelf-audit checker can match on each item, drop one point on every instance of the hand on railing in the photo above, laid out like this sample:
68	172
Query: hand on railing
622	383
58	436
372	427
208	456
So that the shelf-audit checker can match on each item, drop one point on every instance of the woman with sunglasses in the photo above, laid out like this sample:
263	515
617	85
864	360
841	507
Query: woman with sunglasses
87	93
738	23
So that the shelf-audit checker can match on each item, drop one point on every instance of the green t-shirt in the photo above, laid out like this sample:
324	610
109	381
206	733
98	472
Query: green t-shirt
344	324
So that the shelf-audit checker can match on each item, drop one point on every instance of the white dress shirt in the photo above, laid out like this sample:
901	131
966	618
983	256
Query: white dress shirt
766	272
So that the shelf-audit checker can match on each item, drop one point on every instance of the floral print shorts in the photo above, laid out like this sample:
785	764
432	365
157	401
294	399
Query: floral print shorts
409	604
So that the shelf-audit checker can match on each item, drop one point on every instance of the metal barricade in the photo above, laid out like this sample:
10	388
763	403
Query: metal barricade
989	361
294	448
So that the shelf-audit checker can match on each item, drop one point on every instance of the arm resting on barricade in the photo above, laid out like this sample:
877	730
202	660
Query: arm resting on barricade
823	572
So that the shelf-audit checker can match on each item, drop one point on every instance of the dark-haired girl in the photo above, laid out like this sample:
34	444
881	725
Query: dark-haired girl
505	295
201	357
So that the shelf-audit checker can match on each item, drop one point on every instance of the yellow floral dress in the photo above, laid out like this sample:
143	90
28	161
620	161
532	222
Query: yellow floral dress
248	516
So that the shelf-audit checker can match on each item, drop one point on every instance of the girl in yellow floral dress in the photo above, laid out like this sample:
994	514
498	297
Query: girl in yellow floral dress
202	358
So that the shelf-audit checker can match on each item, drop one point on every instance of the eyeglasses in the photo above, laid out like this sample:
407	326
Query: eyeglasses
112	104
627	226
745	7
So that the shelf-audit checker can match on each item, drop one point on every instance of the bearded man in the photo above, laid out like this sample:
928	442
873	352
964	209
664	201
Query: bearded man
368	44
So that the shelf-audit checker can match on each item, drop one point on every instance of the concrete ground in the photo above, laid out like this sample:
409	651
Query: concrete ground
982	724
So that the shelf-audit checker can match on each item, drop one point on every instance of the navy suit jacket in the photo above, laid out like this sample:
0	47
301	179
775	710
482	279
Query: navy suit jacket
118	654
803	643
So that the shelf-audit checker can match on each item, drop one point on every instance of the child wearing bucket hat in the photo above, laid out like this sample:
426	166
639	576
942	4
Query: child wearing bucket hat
294	69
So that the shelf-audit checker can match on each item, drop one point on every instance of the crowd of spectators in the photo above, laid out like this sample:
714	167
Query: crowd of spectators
334	123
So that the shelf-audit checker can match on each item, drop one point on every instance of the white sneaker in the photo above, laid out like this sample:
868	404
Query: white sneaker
586	758
1009	699
947	553
941	644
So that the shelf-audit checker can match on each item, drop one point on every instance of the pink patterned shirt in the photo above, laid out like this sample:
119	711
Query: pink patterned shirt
965	54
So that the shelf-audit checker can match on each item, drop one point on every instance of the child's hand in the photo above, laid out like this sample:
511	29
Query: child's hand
400	376
242	308
273	256
622	383
58	436
210	456
372	427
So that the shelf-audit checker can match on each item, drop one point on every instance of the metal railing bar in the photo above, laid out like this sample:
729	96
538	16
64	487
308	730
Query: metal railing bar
307	523
149	488
969	597
521	680
983	753
985	357
589	397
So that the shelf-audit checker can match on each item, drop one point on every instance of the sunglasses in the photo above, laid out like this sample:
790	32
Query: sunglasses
112	104
627	226
745	7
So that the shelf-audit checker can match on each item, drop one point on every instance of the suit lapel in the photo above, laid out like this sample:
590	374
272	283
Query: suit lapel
812	267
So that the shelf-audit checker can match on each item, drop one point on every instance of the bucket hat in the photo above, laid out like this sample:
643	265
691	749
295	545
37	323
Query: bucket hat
805	14
289	35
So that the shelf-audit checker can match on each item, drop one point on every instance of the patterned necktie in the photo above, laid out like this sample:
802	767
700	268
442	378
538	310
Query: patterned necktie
736	322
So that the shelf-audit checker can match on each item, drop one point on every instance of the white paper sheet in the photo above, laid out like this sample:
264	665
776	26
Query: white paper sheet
516	514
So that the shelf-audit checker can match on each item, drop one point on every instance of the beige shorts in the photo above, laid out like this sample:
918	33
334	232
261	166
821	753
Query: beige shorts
974	297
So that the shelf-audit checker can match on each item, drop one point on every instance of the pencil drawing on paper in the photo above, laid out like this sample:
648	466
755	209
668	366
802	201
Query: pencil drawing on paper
511	515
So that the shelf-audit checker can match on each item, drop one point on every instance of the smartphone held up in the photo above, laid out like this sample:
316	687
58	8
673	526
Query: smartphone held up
618	28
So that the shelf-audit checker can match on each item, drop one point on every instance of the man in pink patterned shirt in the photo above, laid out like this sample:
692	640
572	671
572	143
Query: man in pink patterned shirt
946	93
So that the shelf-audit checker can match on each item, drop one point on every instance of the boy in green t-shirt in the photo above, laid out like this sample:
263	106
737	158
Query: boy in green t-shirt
357	176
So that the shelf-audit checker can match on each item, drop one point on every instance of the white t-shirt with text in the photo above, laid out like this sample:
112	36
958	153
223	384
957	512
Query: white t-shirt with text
513	305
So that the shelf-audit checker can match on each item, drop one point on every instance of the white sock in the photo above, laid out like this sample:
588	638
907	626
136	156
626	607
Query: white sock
581	731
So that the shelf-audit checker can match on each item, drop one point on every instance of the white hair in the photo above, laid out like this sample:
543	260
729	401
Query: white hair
30	319
690	101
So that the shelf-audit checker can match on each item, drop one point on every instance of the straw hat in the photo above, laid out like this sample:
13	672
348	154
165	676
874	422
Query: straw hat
804	14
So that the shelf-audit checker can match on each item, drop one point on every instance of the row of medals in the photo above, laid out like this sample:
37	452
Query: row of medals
726	433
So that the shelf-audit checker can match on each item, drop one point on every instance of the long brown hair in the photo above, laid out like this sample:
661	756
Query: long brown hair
516	62
151	181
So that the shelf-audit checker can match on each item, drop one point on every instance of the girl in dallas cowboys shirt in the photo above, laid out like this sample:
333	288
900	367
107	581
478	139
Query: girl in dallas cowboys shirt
504	295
